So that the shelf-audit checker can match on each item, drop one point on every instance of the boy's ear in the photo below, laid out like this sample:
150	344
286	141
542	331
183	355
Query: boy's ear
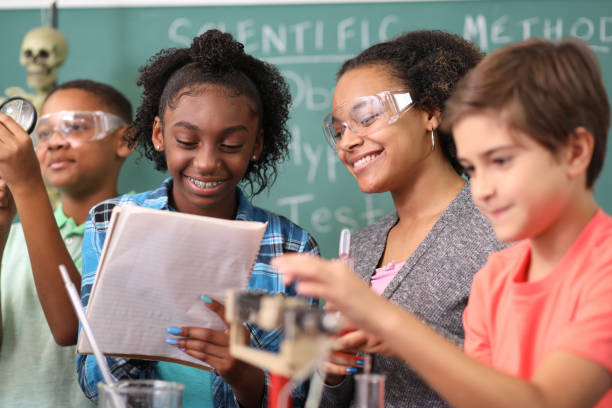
124	135
578	152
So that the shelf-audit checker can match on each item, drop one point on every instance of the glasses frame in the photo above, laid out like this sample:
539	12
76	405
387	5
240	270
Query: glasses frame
109	123
396	102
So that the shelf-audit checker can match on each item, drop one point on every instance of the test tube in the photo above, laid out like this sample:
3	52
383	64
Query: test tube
370	390
344	247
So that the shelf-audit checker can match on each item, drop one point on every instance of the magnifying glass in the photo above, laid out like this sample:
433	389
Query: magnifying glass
22	111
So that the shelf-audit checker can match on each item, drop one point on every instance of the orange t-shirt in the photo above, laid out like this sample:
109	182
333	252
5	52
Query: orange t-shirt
512	325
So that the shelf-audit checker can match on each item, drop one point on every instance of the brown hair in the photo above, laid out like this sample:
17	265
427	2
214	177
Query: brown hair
543	89
109	96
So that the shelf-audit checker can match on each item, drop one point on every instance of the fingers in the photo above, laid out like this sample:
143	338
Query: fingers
299	266
205	335
315	276
9	129
342	363
354	341
5	194
217	363
330	308
199	340
207	345
216	307
359	341
18	161
200	346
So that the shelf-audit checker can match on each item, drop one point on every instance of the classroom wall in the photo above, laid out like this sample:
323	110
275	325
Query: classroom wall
308	42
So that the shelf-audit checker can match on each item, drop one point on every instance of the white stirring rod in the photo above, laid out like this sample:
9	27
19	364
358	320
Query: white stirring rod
78	308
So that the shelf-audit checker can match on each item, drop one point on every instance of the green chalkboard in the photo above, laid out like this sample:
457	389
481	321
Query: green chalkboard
307	42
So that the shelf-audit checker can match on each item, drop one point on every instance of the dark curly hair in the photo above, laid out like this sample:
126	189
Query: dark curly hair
216	58
429	64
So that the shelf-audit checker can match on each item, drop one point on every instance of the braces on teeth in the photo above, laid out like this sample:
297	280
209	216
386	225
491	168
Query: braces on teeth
204	184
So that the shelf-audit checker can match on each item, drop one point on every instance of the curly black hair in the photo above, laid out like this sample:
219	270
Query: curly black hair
216	58
429	63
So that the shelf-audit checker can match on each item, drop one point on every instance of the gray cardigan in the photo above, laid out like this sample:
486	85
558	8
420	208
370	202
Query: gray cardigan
434	284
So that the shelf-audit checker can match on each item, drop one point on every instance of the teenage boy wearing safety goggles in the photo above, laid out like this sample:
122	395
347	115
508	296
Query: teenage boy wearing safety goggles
78	147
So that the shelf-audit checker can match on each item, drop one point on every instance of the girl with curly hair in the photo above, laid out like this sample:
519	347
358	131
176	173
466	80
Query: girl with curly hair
213	117
384	125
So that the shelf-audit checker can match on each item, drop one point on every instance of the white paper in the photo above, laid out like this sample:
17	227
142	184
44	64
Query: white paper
154	268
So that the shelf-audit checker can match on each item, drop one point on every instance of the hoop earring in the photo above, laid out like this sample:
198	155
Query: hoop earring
433	141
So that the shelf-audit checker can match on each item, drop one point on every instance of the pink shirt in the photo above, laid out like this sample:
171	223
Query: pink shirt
383	275
513	324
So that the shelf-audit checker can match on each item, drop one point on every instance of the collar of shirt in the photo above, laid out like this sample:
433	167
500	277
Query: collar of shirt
67	224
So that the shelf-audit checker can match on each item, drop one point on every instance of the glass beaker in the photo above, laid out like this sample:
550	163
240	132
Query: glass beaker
140	394
370	390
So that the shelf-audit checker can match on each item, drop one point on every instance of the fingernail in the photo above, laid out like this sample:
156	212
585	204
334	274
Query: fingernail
360	362
351	370
173	342
182	348
206	299
173	330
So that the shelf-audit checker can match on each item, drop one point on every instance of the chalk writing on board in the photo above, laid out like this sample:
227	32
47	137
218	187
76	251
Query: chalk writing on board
323	218
597	32
314	98
301	43
312	156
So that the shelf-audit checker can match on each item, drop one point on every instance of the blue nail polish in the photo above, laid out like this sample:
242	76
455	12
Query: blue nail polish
173	330
173	342
351	370
206	299
360	362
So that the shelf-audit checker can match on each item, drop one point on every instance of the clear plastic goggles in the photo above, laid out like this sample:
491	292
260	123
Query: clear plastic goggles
76	126
366	114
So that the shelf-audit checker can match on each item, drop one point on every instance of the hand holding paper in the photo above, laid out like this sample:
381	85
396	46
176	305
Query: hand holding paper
154	268
212	347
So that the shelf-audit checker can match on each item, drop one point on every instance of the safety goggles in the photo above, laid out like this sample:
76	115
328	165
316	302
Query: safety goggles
366	114
76	126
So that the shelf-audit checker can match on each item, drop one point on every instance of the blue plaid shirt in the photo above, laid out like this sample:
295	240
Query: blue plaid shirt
281	236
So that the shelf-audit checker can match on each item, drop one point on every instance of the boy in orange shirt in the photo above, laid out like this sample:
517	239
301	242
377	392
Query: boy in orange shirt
530	123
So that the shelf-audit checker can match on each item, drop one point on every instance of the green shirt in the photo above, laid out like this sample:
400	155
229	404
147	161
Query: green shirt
34	370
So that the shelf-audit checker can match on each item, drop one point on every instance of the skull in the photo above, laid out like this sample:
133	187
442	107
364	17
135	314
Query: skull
43	51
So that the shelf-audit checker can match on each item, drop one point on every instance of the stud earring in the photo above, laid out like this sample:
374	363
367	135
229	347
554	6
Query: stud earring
433	141
158	147
254	158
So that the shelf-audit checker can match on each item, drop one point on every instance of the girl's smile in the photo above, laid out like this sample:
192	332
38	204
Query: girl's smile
363	161
204	186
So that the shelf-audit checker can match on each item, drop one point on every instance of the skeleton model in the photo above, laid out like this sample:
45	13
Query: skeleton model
43	51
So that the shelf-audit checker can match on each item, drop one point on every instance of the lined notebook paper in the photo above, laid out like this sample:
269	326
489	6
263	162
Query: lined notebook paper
154	267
